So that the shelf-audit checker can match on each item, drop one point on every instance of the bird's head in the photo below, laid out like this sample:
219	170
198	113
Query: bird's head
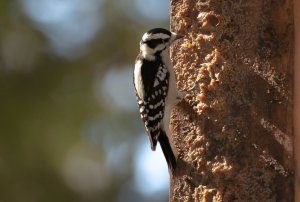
157	40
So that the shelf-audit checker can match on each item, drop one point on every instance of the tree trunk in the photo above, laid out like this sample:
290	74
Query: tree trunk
297	100
234	131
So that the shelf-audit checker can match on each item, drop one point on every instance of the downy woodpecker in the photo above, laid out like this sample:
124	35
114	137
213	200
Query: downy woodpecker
156	90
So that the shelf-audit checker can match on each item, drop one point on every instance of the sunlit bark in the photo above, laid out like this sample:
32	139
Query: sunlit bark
234	132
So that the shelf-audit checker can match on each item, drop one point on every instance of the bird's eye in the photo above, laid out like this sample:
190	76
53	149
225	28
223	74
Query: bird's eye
155	42
165	40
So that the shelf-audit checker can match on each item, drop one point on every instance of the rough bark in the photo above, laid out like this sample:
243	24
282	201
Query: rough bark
234	132
297	100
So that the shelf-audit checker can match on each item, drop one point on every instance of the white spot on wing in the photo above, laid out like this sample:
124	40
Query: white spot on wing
156	82
161	76
142	109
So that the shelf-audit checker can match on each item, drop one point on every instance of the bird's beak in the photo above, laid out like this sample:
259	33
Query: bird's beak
176	37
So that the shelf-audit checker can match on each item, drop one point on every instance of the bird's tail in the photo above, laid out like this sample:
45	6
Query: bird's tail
167	150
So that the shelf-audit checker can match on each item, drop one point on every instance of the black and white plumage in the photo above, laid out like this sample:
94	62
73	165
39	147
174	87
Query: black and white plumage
156	89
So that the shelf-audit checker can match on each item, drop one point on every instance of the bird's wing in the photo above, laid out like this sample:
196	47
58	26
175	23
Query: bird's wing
151	102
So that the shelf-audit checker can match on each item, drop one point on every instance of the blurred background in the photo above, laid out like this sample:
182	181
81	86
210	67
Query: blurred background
69	125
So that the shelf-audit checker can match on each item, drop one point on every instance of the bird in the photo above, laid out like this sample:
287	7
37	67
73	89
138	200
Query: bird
156	89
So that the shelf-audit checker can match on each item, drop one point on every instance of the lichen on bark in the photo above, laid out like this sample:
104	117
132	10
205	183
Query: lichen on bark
234	131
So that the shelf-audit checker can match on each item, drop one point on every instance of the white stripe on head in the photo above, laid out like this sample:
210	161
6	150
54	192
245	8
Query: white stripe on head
147	52
147	36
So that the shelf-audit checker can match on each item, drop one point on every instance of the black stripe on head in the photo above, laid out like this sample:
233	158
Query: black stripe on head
154	42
